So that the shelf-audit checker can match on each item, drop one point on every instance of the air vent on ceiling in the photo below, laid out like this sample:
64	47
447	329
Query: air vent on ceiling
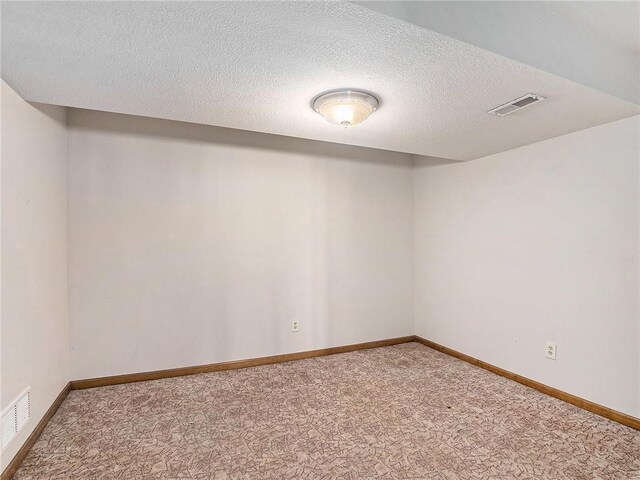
516	104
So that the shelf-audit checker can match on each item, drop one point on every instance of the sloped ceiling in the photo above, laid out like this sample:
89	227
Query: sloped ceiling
257	65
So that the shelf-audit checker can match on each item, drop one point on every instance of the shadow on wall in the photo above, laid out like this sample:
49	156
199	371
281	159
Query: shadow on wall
421	161
155	127
54	112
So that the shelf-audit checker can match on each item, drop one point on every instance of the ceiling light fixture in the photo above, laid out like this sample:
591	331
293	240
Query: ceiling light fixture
345	107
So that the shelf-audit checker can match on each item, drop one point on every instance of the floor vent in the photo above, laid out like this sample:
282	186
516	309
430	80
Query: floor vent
15	416
517	104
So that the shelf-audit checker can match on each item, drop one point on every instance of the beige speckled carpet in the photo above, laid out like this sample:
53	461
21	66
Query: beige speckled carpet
402	412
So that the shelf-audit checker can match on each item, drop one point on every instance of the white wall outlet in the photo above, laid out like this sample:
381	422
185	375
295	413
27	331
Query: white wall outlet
551	350
295	326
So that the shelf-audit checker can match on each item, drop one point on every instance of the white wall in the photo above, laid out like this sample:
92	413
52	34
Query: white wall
34	344
534	244
193	244
528	32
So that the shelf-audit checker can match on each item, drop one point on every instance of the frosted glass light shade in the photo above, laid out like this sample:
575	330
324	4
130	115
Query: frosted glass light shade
345	108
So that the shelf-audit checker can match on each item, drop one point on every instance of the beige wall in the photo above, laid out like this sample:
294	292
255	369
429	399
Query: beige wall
534	244
34	337
192	244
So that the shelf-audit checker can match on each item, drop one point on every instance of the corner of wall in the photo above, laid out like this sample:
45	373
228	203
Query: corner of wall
35	347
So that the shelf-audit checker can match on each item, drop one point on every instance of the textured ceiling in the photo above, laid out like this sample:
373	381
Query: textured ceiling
256	66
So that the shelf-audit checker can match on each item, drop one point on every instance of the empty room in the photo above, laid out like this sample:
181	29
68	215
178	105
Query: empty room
281	240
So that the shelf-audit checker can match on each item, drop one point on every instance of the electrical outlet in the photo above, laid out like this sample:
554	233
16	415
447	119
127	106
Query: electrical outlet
295	326
551	350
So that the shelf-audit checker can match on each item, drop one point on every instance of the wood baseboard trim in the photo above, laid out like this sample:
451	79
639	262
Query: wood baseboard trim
592	407
35	434
217	367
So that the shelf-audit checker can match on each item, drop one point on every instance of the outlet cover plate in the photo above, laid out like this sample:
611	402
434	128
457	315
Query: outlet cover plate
551	350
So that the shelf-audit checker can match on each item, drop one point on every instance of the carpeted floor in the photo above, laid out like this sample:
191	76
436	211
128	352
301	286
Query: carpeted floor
402	412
